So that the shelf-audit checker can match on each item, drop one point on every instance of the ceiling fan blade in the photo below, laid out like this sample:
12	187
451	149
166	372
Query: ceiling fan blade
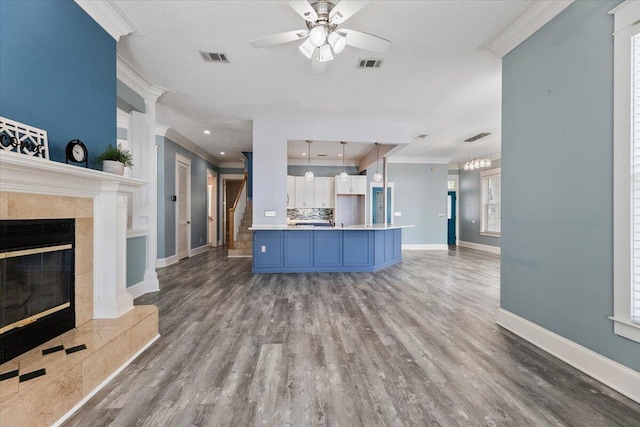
280	38
365	41
345	10
304	9
317	67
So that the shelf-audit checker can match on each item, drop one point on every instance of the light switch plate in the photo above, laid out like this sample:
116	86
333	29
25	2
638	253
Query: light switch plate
397	214
263	248
441	215
269	213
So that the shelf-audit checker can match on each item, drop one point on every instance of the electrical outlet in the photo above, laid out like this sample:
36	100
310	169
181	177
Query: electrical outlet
201	240
397	214
473	221
441	215
269	213
263	249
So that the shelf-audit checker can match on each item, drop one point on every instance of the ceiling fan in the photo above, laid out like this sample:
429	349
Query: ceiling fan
323	37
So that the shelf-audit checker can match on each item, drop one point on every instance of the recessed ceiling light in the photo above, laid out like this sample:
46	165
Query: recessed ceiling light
304	154
339	154
207	132
222	153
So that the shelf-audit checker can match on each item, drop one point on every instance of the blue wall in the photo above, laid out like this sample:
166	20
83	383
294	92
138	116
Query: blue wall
58	73
557	180
136	259
167	188
470	203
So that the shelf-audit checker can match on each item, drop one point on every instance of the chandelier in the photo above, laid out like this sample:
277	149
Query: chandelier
478	163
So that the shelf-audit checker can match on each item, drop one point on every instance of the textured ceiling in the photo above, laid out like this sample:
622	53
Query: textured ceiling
436	78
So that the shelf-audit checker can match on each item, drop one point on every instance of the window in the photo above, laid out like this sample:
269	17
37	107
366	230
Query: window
491	199
626	171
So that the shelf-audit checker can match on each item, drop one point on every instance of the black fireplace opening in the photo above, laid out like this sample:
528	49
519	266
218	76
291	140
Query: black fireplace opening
36	283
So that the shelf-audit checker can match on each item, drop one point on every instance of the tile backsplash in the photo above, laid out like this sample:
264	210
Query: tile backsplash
311	214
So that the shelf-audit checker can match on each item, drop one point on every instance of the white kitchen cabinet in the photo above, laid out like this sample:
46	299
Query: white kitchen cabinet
324	192
291	191
304	192
355	184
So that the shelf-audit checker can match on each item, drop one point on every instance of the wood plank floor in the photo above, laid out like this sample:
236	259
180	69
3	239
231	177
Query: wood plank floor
413	345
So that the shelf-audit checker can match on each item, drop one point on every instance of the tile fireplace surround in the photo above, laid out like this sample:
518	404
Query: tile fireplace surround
39	388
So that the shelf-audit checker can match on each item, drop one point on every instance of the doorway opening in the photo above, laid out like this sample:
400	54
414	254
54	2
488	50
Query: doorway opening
212	208
451	218
231	188
377	203
183	207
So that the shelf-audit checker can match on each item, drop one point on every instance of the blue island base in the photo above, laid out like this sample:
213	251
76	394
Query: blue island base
332	251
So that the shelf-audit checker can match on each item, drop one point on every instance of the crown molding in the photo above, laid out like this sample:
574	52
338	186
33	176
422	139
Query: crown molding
231	165
526	22
182	141
109	16
417	159
319	162
129	75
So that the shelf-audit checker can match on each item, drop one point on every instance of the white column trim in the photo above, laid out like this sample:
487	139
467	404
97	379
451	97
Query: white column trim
611	373
130	76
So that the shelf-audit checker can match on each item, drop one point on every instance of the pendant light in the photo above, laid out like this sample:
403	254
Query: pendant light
377	177
343	175
308	174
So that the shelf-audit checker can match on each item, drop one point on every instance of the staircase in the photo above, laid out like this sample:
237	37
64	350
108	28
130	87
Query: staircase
243	245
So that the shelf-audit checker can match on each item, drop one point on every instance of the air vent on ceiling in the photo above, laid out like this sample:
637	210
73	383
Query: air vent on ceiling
214	57
322	155
421	136
370	63
477	137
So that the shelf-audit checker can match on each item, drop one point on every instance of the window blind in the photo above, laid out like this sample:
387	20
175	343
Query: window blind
635	167
494	198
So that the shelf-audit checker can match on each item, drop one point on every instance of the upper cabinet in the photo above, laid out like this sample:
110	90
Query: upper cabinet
324	192
355	184
304	193
291	191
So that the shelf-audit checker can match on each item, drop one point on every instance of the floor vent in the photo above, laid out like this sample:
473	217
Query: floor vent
370	63
477	137
214	57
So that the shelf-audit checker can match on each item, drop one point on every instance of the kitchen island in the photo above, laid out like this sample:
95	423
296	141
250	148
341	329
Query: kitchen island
309	249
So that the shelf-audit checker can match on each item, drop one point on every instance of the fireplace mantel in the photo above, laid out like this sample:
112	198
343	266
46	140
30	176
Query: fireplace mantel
20	173
26	174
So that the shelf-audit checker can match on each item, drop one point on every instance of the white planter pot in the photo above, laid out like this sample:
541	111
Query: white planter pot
112	166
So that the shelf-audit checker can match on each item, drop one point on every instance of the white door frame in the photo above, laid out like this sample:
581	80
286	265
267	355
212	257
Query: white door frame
185	161
212	195
222	182
373	185
456	180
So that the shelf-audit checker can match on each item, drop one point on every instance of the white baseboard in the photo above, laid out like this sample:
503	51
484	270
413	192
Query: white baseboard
612	374
422	247
165	262
199	250
66	416
142	288
480	247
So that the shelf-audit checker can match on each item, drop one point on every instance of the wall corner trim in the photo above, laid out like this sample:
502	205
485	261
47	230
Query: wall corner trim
185	143
108	16
142	288
130	76
612	374
533	16
480	247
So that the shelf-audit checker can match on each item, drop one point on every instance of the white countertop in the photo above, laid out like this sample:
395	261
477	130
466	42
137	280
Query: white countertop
257	227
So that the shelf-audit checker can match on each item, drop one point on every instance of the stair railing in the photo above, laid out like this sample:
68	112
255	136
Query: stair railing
235	213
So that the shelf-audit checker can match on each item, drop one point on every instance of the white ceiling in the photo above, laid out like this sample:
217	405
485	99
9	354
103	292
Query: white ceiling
436	77
330	151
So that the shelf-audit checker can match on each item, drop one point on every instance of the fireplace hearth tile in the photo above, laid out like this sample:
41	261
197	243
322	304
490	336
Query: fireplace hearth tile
31	375
9	375
76	349
52	350
4	205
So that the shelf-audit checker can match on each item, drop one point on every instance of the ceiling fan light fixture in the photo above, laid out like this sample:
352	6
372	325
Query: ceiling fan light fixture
318	35
337	42
324	54
307	48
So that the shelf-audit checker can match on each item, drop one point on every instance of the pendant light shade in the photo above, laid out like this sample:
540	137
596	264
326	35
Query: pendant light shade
343	175
324	53
308	174
318	35
377	177
307	48
337	42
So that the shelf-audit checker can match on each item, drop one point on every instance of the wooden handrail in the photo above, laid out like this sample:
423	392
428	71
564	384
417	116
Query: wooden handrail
231	214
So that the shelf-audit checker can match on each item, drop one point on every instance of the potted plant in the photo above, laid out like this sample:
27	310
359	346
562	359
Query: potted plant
114	159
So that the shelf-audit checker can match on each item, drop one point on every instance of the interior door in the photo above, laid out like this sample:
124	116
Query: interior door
378	205
183	220
451	221
212	205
